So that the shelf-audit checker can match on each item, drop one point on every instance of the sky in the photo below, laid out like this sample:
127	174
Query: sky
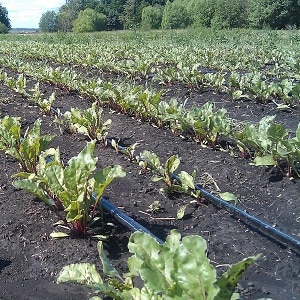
27	13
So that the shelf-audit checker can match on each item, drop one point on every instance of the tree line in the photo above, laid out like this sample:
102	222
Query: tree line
97	15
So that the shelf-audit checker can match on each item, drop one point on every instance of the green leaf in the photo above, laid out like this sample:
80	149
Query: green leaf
82	273
297	137
229	197
266	160
59	234
108	268
195	276
171	165
152	161
35	189
104	178
55	176
177	270
152	261
276	132
187	180
80	168
228	281
181	212
156	178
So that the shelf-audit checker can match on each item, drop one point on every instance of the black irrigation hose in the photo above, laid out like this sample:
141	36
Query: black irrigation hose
126	220
266	229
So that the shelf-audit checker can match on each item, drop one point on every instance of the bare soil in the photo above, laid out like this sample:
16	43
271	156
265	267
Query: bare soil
30	260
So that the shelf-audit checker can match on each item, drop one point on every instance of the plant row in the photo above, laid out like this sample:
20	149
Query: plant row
267	142
265	75
226	50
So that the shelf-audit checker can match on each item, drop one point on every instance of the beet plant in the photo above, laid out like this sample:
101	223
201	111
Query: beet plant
181	183
44	104
270	144
208	124
88	122
150	160
177	269
128	151
25	148
76	188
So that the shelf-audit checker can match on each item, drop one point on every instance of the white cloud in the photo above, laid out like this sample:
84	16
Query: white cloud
27	13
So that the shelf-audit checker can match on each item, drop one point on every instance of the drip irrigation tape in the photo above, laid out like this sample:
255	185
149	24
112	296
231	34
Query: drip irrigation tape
266	229
126	220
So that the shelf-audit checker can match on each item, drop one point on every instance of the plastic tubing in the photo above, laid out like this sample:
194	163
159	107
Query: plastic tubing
266	229
126	220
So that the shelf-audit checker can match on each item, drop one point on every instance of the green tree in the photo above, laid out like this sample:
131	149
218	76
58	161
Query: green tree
64	21
229	14
113	10
129	15
201	12
275	14
82	4
175	15
89	20
67	14
4	17
48	21
152	17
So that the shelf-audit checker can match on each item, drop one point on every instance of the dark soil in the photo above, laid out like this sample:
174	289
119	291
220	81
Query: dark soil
30	259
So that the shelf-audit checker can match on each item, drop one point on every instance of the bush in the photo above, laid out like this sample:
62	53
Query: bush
201	12
152	17
3	28
229	14
90	20
175	15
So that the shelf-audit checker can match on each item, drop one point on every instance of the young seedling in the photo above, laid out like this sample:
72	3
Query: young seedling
89	122
150	160
154	207
44	104
128	151
183	183
20	85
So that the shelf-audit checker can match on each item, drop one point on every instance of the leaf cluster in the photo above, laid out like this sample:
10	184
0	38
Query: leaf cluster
44	104
88	122
25	148
271	144
76	188
177	269
183	183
